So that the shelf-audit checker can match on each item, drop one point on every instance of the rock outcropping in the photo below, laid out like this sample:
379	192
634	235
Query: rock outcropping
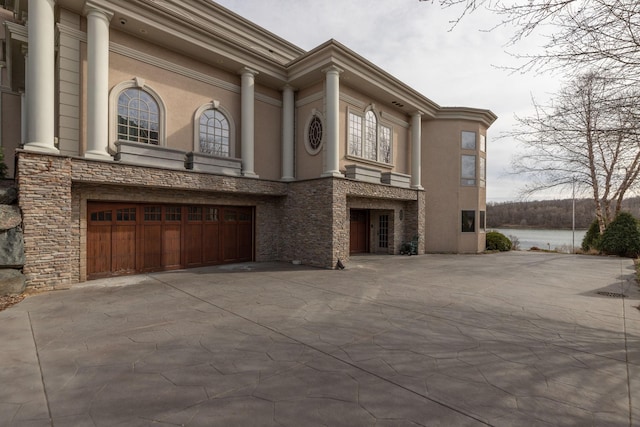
12	281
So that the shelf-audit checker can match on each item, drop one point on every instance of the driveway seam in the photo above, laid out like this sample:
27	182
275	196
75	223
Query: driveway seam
44	387
431	399
462	322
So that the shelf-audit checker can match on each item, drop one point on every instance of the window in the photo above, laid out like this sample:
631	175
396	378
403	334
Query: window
136	114
369	139
153	213
126	214
214	133
468	140
483	172
213	130
314	133
383	231
468	175
483	220
194	213
101	216
483	143
355	135
138	117
468	221
173	213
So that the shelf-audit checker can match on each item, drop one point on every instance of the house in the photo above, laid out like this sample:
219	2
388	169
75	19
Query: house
149	135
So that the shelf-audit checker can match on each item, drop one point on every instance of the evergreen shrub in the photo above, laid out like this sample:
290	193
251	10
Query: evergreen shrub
622	237
591	239
497	241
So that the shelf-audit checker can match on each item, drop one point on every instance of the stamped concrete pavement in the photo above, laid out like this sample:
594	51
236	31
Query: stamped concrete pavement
512	339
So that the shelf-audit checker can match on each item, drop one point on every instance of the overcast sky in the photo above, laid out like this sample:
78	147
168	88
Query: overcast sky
414	41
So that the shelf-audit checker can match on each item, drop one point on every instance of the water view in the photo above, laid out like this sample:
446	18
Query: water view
560	240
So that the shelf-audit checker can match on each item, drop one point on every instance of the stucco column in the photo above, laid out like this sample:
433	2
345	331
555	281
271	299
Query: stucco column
288	113
40	77
416	141
247	100
97	84
332	160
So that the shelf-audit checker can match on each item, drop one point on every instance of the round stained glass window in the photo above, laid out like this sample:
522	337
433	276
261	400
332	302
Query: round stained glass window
315	133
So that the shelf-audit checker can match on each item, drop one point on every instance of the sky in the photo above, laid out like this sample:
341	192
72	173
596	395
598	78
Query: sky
415	42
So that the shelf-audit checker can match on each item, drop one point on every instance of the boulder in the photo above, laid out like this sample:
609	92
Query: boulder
10	217
12	282
11	248
8	195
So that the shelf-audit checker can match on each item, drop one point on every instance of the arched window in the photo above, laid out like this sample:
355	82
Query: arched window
138	117
136	114
214	131
368	138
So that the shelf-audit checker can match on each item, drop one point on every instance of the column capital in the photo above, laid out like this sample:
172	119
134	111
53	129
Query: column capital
417	113
288	87
332	69
91	8
246	70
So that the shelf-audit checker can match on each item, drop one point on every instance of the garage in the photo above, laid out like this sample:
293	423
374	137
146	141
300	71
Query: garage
139	238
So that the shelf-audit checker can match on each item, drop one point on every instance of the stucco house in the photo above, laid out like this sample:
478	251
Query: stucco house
149	135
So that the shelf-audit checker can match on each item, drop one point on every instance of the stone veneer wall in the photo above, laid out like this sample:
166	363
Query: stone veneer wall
376	196
308	215
53	191
302	220
44	196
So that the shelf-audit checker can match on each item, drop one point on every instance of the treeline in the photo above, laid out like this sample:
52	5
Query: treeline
549	213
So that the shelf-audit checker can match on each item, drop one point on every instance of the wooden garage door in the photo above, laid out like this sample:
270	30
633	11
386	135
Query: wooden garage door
134	238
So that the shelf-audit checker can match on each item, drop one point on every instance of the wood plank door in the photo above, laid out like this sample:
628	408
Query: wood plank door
359	231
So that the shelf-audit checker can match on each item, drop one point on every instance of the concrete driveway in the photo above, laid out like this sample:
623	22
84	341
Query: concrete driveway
513	339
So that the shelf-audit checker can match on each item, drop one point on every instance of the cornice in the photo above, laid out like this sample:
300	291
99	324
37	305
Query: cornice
486	117
167	65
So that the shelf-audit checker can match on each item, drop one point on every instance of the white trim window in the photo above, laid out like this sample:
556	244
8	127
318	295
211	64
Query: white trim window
137	114
368	138
214	131
138	117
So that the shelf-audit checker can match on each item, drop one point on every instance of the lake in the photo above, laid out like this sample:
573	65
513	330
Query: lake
544	239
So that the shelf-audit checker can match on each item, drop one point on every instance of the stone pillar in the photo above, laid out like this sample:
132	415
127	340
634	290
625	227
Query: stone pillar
97	84
416	156
332	160
247	100
40	77
288	123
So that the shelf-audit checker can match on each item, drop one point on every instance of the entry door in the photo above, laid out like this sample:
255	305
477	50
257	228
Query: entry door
359	231
383	233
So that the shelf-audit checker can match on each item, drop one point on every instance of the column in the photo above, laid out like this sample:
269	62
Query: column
332	163
247	100
288	123
416	156
98	84
40	77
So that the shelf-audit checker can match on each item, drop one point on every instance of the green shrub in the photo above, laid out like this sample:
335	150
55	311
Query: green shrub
591	239
622	237
498	242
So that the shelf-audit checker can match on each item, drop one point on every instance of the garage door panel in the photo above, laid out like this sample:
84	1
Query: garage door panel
210	243
99	249
245	241
193	244
123	248
152	247
171	246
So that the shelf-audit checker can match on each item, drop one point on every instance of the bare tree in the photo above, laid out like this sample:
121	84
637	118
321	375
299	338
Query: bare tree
591	34
589	136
